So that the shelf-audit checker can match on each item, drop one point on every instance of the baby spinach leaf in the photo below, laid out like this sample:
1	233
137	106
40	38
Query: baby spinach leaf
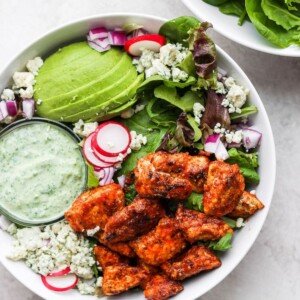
188	65
215	2
176	30
234	7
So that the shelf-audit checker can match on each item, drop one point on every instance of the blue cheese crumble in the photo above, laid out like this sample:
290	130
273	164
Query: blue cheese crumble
230	136
137	140
84	129
163	63
198	109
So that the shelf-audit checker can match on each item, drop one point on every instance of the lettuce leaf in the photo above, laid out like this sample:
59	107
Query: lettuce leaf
245	111
247	162
195	201
223	244
92	181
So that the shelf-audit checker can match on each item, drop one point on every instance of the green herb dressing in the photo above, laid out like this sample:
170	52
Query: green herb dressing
42	171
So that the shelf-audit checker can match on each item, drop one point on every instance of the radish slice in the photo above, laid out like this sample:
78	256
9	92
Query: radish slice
90	155
251	137
151	42
211	143
111	138
60	283
111	160
98	33
117	38
60	273
28	108
3	110
221	152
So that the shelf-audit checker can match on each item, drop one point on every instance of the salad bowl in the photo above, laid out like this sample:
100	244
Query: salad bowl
243	240
245	35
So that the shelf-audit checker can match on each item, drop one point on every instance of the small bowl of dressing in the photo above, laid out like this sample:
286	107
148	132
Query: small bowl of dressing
42	171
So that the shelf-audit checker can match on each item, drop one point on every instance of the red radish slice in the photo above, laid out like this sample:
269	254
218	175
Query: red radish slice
151	42
60	273
211	143
90	155
111	138
60	283
98	33
111	160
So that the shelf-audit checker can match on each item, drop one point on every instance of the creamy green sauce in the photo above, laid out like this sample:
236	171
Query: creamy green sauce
42	171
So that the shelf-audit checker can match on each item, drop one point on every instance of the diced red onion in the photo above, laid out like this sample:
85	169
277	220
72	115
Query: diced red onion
98	48
28	108
99	172
12	107
234	145
211	143
221	152
121	180
3	110
117	38
251	137
108	175
98	33
138	32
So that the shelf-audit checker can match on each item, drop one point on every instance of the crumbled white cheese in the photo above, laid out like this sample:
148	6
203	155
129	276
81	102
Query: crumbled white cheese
84	129
233	136
34	65
92	232
163	63
86	289
240	223
26	93
137	140
8	94
221	88
128	113
99	281
253	192
139	107
198	108
53	247
23	79
120	157
39	102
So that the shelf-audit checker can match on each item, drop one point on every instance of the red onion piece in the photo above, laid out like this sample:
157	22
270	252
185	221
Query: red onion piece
138	32
12	107
121	180
221	152
98	33
108	175
211	143
28	108
117	38
251	137
3	110
98	48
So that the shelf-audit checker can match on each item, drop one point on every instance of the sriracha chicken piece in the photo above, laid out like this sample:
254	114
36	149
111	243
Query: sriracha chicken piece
198	226
136	219
149	270
223	189
94	207
247	206
160	244
106	257
195	260
120	278
160	287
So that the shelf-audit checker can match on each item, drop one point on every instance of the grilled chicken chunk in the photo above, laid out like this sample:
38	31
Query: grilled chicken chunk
223	189
195	260
120	278
137	218
198	226
106	257
171	176
94	207
160	287
160	244
247	206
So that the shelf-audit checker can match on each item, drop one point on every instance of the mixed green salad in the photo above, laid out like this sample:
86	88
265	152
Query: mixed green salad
276	20
165	90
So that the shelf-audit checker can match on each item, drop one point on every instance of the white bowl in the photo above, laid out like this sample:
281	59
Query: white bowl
245	35
243	240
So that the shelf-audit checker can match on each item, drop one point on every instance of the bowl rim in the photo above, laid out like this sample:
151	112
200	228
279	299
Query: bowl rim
236	66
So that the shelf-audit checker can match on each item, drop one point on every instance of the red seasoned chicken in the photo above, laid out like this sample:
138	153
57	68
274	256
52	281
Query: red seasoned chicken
223	189
120	278
160	244
137	218
198	226
171	176
247	206
94	207
106	257
197	259
149	270
160	287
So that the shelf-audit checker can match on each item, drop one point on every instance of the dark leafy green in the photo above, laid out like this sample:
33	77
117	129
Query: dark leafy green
234	7
223	244
216	2
184	133
247	162
130	193
195	201
176	30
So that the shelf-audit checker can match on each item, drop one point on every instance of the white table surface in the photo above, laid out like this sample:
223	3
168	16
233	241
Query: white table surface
271	269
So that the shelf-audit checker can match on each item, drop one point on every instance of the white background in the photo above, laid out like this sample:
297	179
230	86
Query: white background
271	269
